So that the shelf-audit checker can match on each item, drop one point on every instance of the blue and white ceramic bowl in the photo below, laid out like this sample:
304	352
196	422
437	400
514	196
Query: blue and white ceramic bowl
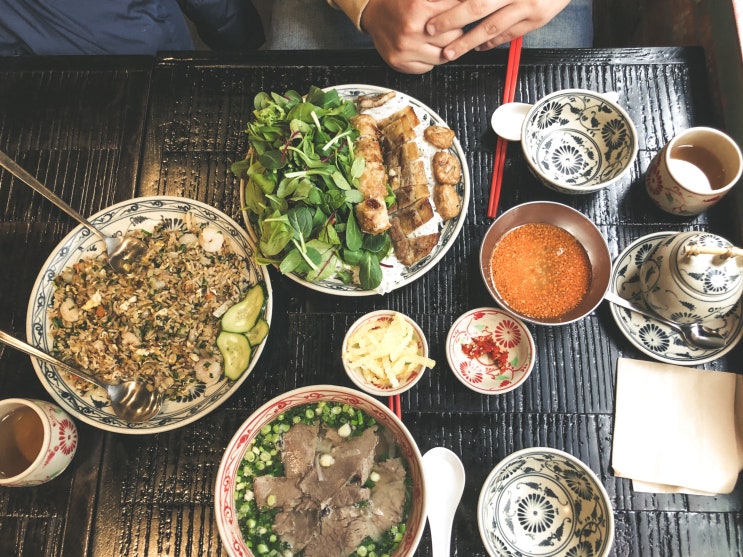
542	502
577	141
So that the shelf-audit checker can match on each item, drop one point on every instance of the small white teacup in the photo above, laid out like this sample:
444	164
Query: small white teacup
37	441
694	171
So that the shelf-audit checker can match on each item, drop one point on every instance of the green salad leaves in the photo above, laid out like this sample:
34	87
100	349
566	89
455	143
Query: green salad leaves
301	184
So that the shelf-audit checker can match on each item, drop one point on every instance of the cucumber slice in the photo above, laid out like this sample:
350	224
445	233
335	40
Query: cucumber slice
241	317
236	352
258	332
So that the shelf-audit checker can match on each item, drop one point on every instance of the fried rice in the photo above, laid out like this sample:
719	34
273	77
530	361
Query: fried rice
158	323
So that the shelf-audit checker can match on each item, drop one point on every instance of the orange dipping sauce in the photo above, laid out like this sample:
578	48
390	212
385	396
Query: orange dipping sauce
540	270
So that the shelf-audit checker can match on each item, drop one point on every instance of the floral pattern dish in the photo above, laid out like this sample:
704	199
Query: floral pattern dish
225	504
652	337
509	335
578	141
396	275
542	502
146	212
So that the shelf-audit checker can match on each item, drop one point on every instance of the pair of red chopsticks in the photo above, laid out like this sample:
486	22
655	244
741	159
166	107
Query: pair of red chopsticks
512	71
394	403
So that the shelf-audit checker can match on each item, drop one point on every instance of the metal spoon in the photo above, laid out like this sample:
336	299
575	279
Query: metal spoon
122	252
695	334
444	476
132	401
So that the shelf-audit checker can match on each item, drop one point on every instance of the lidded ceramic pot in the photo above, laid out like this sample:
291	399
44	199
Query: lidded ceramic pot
692	277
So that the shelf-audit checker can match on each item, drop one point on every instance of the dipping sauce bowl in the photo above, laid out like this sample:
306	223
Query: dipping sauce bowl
545	262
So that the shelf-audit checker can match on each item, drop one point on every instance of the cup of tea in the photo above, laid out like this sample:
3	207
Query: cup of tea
694	171
37	441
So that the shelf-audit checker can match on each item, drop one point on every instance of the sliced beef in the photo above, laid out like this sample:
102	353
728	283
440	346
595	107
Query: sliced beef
341	531
298	455
353	461
285	490
297	528
387	498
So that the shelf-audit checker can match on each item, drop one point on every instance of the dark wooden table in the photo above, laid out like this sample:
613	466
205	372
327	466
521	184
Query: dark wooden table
102	130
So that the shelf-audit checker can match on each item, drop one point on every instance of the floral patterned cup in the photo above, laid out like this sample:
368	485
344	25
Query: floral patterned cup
694	171
36	435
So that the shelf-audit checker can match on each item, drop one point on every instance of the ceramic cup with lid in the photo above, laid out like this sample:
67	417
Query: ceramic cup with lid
692	277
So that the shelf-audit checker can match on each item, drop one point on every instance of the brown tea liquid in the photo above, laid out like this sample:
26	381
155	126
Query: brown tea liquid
21	437
697	167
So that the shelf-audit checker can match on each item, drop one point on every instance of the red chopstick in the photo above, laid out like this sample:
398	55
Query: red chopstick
512	71
394	403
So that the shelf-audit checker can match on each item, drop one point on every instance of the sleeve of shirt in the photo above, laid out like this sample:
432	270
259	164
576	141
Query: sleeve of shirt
352	8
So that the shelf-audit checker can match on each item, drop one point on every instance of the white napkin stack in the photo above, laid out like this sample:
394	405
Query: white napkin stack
677	429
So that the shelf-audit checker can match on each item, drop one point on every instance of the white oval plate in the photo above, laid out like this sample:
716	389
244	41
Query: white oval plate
144	212
394	274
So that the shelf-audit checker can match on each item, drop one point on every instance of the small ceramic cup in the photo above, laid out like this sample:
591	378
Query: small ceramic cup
694	171
37	441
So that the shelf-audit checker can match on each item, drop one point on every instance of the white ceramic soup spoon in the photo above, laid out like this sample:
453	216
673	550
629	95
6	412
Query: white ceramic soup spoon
444	476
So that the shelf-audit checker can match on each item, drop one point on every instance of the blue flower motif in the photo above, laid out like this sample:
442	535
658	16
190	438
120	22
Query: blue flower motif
567	159
715	281
549	114
655	338
685	317
642	253
579	484
583	549
614	133
535	513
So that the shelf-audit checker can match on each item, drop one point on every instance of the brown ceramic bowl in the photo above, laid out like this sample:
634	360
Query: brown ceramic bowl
573	222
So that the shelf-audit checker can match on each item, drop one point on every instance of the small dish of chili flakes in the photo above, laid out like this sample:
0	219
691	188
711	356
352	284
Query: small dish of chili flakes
490	350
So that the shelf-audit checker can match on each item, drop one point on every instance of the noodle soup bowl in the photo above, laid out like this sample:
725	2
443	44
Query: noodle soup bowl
236	496
555	273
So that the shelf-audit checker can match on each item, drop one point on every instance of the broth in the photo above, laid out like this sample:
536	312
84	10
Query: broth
697	167
540	270
21	437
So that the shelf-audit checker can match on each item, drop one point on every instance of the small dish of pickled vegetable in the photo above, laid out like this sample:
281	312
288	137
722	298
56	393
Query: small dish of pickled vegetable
321	471
385	353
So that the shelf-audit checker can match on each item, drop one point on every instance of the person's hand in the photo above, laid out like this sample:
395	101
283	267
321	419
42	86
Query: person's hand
397	28
502	21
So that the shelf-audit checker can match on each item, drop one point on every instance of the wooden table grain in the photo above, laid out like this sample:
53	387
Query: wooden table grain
98	130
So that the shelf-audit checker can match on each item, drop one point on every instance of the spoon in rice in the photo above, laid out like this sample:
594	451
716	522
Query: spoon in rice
132	401
122	252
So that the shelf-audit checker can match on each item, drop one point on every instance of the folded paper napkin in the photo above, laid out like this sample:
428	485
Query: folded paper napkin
677	429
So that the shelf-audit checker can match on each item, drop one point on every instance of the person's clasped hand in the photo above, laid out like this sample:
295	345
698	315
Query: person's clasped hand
500	21
398	29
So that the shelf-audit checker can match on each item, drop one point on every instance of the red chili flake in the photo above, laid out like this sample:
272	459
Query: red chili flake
485	346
